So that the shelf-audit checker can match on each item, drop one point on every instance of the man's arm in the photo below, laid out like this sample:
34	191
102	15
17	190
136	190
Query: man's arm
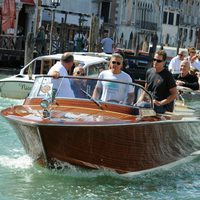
54	73
169	99
130	98
142	96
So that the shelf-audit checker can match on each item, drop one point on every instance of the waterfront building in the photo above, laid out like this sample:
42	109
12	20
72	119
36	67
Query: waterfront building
173	23
133	24
138	23
73	17
25	13
181	23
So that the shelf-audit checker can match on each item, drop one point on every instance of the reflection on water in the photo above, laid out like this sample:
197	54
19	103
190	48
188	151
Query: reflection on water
8	71
194	105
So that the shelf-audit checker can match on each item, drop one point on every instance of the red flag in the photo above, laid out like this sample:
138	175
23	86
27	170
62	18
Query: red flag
8	14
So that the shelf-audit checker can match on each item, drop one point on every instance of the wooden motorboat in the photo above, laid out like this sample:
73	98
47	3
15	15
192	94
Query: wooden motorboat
19	86
97	134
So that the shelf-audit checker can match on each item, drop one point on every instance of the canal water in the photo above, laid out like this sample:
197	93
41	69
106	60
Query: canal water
20	179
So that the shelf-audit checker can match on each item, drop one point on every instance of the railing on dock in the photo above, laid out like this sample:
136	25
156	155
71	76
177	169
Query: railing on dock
12	48
11	42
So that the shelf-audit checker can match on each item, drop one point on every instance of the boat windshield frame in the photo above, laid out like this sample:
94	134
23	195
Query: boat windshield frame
35	90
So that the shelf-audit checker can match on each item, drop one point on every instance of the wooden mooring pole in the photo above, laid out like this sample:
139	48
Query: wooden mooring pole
29	48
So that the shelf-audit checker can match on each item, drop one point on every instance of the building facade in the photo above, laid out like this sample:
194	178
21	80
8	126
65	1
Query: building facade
181	23
138	23
173	23
133	24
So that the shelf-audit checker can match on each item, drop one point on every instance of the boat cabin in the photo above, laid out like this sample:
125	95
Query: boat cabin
93	65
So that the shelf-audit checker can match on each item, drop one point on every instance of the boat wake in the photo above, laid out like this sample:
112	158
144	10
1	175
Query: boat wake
177	166
61	168
23	162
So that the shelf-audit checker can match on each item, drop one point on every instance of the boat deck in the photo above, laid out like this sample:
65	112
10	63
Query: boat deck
74	115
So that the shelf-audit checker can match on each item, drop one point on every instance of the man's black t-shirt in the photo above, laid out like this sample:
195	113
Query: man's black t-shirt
159	84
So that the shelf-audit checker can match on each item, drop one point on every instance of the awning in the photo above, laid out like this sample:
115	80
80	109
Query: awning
28	2
8	14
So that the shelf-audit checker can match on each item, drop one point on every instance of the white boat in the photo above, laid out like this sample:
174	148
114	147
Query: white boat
19	86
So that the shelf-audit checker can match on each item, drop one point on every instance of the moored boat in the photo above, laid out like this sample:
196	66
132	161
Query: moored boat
19	86
93	133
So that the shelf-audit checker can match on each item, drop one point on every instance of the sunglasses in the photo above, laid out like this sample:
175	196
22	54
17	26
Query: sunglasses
114	62
180	54
156	60
80	73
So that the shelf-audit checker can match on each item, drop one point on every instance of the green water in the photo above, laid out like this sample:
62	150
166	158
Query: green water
20	179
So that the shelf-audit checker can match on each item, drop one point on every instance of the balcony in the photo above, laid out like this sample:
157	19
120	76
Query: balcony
172	4
146	25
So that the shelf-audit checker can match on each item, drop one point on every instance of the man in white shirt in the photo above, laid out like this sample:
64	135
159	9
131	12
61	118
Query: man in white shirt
62	85
114	92
174	65
193	58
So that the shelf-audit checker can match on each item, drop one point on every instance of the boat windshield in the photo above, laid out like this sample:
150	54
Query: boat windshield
99	90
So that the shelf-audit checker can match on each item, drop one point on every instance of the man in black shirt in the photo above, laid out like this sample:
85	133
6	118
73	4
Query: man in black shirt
186	79
161	84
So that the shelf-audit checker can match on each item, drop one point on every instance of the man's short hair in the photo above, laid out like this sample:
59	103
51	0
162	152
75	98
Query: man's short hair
162	53
67	57
182	52
117	55
185	63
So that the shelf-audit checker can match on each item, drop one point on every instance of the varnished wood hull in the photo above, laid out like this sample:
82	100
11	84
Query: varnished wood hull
122	148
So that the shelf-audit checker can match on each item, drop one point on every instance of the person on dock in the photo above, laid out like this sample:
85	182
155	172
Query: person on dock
40	41
61	68
79	42
107	44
